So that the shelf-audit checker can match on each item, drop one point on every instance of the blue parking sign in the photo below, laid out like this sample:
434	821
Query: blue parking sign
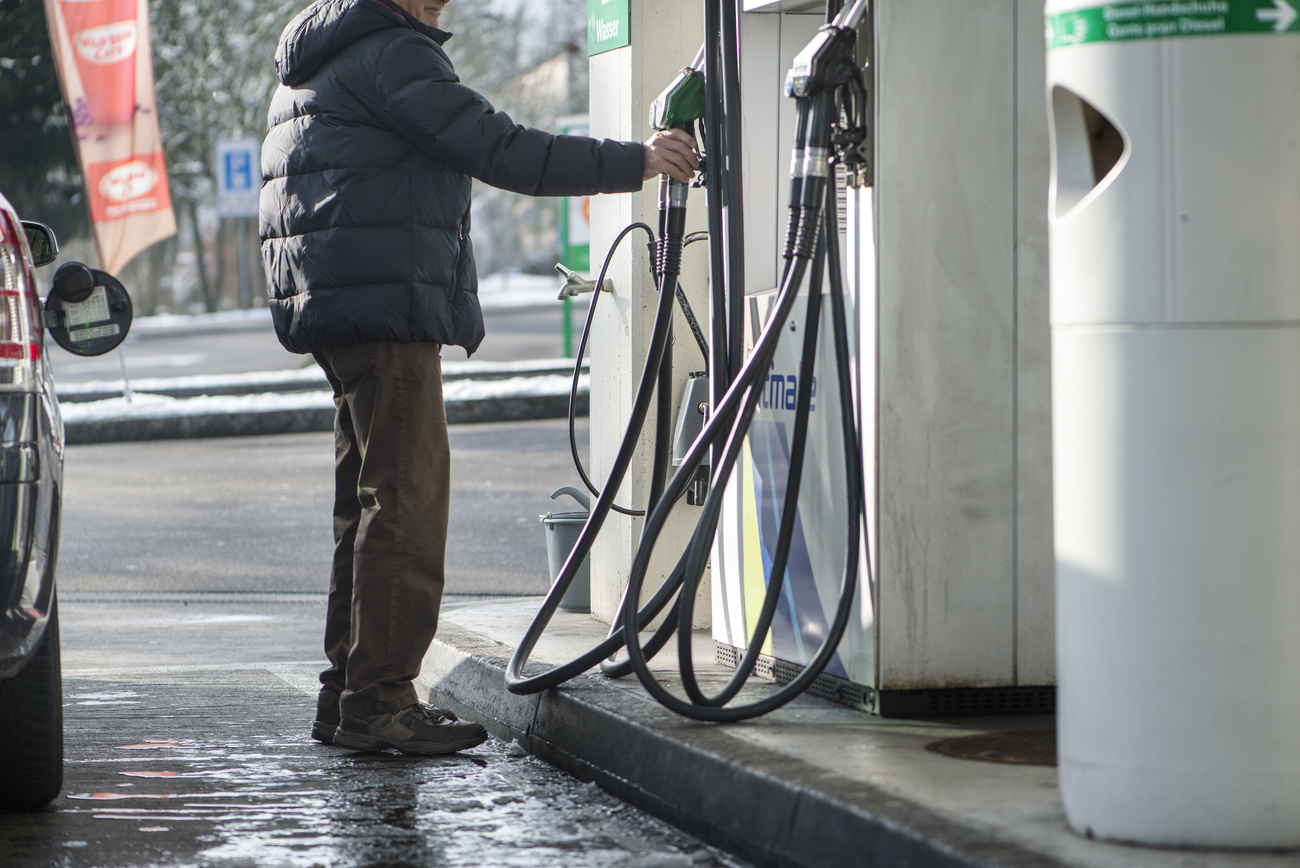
239	176
239	171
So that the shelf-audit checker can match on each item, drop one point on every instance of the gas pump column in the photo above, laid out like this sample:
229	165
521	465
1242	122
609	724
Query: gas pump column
1175	256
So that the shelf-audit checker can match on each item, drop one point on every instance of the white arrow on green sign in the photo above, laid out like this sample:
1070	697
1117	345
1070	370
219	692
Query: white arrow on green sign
1166	19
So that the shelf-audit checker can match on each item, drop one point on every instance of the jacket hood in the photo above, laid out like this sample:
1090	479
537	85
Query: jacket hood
326	27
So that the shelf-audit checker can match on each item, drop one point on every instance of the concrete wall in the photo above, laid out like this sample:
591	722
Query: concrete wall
664	37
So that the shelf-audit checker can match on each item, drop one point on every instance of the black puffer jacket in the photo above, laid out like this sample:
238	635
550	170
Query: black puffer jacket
366	180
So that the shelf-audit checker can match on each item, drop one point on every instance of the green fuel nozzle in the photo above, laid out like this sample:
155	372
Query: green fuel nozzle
681	103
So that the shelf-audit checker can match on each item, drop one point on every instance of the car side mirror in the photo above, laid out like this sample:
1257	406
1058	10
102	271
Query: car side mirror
89	311
40	238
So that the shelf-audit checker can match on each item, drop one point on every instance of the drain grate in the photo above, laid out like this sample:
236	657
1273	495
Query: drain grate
1030	747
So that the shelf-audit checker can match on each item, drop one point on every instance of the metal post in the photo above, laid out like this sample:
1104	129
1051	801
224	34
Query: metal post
566	326
241	229
126	383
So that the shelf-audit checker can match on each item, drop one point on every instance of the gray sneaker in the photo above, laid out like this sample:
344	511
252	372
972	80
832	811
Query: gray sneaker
417	729
327	713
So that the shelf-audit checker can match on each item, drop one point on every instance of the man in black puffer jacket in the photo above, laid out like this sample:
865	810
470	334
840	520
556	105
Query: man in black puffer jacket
364	220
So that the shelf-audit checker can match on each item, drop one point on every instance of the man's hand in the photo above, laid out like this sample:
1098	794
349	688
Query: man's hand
672	153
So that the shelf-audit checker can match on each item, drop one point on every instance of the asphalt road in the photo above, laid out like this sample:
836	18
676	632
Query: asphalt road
253	514
187	744
516	334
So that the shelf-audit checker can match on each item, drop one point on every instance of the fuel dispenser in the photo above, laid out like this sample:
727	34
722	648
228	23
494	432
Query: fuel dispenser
950	376
841	560
1175	210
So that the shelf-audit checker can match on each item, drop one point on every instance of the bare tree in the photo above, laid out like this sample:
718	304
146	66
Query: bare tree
38	168
498	45
214	66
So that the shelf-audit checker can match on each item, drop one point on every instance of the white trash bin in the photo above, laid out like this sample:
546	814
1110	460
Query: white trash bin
1175	305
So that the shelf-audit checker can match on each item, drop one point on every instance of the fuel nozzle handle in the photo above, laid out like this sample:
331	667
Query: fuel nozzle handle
821	63
825	63
682	101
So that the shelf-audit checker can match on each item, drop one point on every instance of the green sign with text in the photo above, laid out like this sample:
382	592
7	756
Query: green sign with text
1162	19
606	25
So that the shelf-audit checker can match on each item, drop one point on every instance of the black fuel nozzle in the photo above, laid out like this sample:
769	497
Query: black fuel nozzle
828	59
826	63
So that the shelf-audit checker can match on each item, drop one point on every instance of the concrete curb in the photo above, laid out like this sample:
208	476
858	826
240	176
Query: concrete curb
295	421
764	807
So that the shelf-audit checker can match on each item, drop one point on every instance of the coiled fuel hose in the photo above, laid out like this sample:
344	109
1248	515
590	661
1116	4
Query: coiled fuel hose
672	202
663	385
728	425
812	241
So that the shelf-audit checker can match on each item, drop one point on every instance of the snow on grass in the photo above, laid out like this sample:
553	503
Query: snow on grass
496	292
308	375
146	406
471	368
187	320
514	387
505	290
312	374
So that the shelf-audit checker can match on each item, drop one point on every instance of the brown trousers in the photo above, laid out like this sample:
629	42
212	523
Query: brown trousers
391	490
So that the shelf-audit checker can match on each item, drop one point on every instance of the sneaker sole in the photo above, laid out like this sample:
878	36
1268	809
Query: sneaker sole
369	743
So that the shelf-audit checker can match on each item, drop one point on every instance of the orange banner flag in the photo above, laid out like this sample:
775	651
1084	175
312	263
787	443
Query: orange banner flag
101	48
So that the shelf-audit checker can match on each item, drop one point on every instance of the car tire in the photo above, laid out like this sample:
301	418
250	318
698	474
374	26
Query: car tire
31	727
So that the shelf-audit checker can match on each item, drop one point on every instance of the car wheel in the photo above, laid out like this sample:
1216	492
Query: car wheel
31	727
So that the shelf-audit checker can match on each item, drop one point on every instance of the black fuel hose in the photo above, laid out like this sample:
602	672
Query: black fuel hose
691	321
577	366
812	239
672	196
698	706
728	424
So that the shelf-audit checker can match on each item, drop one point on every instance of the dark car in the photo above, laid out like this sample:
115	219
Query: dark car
88	313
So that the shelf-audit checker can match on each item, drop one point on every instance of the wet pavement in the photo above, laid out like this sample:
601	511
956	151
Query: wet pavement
182	763
192	579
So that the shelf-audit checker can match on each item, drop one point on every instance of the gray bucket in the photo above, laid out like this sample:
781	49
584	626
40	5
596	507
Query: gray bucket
562	529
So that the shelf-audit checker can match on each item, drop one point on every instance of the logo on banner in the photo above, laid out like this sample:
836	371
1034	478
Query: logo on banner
128	182
118	189
104	36
107	44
